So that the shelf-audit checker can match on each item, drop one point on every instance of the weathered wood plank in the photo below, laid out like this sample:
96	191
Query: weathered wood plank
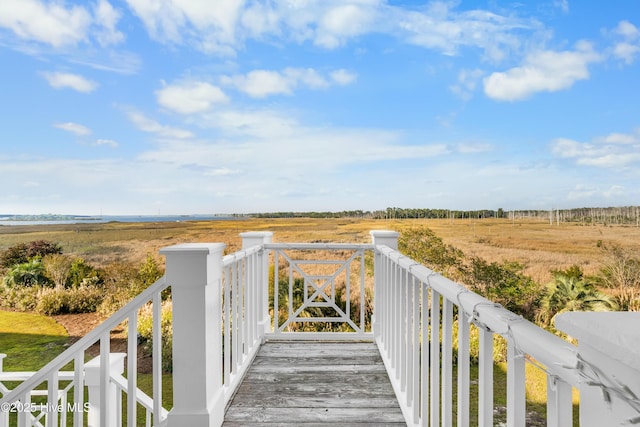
315	377
373	359
317	414
315	383
293	365
317	389
278	401
297	424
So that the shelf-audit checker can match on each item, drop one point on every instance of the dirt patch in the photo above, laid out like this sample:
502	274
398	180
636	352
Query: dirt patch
79	325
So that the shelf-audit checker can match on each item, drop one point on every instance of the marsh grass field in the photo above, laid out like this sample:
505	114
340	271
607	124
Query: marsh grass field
539	246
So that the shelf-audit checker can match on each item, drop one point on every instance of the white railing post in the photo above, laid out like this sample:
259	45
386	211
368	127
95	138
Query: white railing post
609	365
194	272
92	378
259	238
380	237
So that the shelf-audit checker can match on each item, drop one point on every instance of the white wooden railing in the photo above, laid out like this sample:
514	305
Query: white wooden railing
225	307
312	291
43	395
413	302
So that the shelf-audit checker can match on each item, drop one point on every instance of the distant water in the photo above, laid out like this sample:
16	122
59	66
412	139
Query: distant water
19	220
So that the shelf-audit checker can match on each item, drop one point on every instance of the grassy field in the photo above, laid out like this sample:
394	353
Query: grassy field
29	340
536	244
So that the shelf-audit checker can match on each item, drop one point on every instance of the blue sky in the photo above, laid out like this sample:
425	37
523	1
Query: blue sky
202	106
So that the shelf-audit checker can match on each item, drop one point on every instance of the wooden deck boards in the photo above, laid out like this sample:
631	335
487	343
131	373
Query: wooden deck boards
314	384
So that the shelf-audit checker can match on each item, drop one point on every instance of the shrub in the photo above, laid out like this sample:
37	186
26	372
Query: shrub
30	273
58	269
124	281
23	252
620	273
84	299
505	284
422	245
145	332
19	298
82	273
49	301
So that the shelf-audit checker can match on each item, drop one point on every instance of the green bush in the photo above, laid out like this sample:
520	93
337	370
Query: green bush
422	245
19	298
24	252
505	284
124	281
49	301
30	273
145	332
84	299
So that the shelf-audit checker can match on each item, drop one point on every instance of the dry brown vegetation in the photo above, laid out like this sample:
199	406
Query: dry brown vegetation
536	244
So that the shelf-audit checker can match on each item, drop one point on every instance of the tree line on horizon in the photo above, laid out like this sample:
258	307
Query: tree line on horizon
625	215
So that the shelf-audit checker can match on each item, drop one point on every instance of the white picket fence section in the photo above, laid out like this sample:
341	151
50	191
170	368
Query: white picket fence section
224	308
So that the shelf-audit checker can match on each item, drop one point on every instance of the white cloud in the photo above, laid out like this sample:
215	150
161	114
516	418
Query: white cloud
343	77
447	30
74	128
331	24
345	21
612	151
627	30
120	62
211	29
467	82
108	142
59	25
50	23
146	124
469	148
190	97
282	147
72	81
261	83
106	18
584	192
264	83
221	172
543	71
562	5
628	47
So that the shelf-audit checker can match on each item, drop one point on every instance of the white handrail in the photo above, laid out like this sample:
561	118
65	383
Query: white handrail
552	351
51	374
413	302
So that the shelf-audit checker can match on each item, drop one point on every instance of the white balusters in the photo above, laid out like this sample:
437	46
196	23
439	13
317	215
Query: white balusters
516	408
463	370
485	378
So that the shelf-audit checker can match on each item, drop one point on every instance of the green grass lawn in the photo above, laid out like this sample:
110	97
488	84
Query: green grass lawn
30	340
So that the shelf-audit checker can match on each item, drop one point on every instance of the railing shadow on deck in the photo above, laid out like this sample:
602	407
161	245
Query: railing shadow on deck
225	307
